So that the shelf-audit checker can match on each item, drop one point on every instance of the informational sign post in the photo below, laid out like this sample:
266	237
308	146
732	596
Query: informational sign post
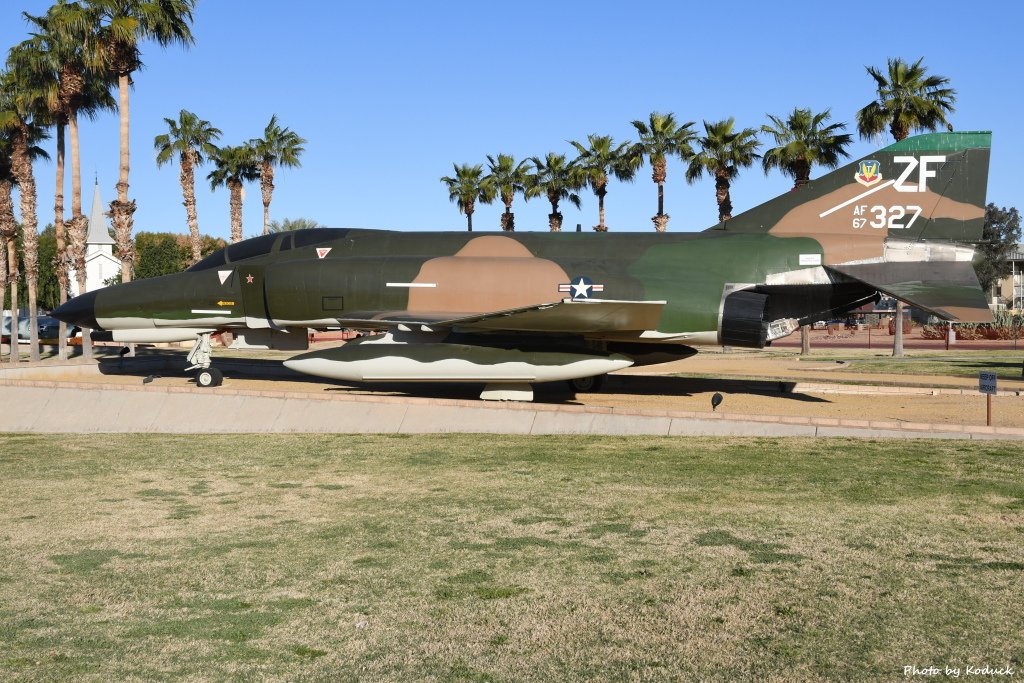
987	386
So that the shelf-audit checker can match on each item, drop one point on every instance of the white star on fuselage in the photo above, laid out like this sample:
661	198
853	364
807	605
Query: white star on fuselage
580	290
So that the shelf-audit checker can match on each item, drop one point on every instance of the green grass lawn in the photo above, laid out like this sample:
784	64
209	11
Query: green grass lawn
1007	365
494	558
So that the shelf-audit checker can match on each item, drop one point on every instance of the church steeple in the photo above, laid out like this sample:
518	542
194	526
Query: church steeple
97	221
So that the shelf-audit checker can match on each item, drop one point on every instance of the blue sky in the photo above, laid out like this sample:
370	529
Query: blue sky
390	94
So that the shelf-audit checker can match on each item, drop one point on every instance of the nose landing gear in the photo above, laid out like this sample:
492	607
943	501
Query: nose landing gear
199	358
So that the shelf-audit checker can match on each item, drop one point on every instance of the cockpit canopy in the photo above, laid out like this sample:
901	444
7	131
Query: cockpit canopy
265	244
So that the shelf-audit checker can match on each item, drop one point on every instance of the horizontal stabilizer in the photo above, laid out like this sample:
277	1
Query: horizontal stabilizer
948	289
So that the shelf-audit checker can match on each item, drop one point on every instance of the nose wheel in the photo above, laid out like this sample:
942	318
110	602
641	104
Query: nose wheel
209	377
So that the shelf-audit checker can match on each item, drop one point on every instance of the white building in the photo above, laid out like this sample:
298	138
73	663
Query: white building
100	262
1009	291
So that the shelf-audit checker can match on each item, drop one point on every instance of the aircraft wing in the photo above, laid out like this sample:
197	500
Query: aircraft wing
563	317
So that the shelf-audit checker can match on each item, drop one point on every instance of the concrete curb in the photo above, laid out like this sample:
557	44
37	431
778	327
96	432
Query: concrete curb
80	407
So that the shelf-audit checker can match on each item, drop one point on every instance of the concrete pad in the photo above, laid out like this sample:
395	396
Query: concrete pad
629	425
420	419
325	416
120	411
731	428
557	422
95	409
39	406
193	411
23	407
77	410
260	413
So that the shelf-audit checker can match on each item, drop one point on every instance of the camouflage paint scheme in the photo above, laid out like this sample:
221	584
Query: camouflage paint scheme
883	223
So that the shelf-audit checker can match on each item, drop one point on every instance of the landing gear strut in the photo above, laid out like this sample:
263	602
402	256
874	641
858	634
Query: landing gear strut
199	358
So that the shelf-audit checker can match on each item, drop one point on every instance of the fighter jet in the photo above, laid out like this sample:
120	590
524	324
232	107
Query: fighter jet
508	310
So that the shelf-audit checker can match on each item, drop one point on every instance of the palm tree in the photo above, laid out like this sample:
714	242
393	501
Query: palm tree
723	152
508	179
600	159
234	165
554	178
278	147
64	44
51	81
661	138
908	99
8	232
191	139
289	224
467	187
121	26
17	115
802	141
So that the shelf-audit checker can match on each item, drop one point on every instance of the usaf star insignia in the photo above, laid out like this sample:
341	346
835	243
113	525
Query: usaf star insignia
581	288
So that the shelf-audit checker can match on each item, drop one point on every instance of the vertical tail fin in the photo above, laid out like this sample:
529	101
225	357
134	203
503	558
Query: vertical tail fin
887	220
925	187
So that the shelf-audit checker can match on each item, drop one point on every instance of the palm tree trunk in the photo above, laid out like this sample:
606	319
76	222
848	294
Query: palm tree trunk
79	223
60	231
722	196
897	341
508	219
188	193
469	221
659	171
3	271
554	218
267	189
121	209
803	174
601	227
8	226
236	210
21	165
12	276
805	340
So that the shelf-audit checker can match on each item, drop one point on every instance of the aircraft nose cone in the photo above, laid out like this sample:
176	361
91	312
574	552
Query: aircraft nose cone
79	311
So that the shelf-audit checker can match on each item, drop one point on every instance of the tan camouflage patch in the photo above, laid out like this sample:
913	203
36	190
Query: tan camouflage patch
490	273
831	219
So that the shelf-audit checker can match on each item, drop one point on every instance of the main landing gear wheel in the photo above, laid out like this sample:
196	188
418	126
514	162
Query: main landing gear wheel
209	377
587	385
